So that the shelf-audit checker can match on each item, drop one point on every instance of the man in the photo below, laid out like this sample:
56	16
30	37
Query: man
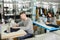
25	24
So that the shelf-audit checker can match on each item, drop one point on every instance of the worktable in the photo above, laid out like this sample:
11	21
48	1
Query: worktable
43	25
13	34
10	35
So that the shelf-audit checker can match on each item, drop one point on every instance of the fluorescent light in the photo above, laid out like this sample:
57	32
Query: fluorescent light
45	2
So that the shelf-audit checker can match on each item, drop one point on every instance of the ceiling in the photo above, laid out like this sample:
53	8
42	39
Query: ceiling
57	1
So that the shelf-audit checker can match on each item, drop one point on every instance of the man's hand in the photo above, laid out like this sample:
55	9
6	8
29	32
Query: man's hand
15	25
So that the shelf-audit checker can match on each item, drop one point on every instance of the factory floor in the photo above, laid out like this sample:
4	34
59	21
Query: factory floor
47	36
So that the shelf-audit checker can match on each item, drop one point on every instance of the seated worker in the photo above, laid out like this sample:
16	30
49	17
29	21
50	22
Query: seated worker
51	20
25	24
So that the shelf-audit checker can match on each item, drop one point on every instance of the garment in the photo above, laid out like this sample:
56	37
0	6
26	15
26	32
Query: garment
12	30
27	25
56	26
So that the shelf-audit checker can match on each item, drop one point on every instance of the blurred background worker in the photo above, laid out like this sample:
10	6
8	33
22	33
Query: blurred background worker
51	20
25	24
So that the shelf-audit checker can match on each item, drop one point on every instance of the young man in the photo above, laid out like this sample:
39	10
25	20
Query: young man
25	24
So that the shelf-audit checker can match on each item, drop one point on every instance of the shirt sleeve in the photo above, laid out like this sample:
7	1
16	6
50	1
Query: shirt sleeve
21	23
54	21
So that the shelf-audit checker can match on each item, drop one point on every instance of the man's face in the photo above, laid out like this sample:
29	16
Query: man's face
23	16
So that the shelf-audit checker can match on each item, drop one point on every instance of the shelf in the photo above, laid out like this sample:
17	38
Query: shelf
17	14
25	9
16	4
8	14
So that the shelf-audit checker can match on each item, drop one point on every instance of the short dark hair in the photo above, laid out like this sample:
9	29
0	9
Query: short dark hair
23	12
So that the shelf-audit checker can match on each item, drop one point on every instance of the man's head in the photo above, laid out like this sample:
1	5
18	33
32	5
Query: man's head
23	15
